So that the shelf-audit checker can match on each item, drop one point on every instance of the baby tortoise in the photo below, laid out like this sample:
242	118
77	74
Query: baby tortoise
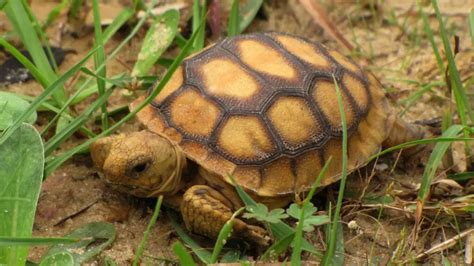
260	107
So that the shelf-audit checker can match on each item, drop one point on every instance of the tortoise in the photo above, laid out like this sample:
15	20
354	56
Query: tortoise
261	108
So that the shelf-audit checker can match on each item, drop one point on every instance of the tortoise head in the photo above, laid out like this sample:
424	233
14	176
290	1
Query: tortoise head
143	163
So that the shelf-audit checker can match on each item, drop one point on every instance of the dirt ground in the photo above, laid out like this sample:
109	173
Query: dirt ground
390	42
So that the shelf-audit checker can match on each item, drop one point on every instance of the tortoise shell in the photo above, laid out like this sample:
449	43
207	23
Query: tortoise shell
263	108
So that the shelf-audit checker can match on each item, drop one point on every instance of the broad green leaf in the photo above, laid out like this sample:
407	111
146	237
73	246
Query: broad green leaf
10	107
280	230
310	219
295	210
261	213
316	220
58	259
21	173
157	40
95	237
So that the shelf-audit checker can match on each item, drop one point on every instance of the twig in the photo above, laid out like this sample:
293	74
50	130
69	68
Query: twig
320	17
444	245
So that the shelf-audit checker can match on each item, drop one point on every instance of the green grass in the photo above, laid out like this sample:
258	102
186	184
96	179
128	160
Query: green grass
152	222
99	59
334	227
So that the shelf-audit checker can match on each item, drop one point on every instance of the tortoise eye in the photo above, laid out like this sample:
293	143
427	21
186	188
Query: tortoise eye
138	169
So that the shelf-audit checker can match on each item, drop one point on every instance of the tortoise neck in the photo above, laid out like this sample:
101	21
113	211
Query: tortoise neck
173	171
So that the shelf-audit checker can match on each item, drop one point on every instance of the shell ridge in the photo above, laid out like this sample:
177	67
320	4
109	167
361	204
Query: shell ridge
286	53
259	76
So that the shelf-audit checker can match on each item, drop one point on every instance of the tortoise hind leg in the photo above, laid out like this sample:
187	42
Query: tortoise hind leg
205	211
402	132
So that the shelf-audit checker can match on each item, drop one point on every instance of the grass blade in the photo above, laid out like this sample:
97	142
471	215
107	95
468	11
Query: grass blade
117	23
328	257
35	241
233	27
182	254
224	234
278	247
430	35
296	254
458	89
54	13
471	25
199	18
152	222
434	161
248	13
418	142
99	59
76	123
201	253
35	72
88	91
23	26
43	97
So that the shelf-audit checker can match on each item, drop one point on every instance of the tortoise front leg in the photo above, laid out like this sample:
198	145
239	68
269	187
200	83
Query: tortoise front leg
205	211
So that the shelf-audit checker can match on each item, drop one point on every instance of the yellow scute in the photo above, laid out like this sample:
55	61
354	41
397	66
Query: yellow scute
293	120
266	59
173	84
277	178
308	166
324	93
357	90
341	59
226	78
245	138
194	113
303	51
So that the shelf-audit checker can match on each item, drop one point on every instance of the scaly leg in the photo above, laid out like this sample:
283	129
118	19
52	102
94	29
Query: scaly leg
205	211
402	132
